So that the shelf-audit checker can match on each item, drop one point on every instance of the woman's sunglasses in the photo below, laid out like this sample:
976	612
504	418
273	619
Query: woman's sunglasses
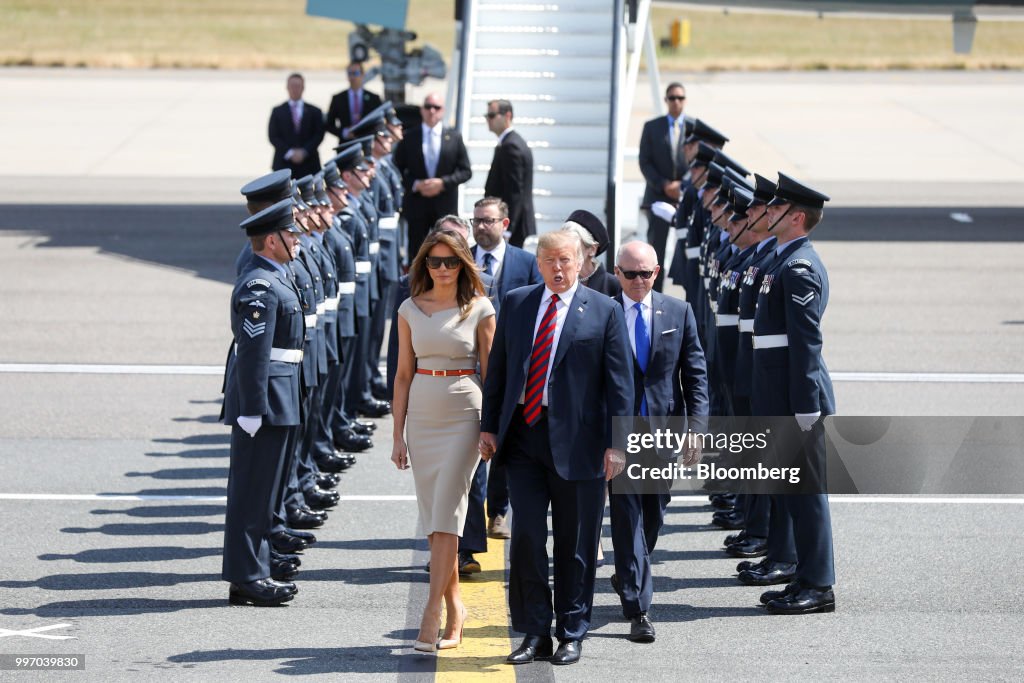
449	262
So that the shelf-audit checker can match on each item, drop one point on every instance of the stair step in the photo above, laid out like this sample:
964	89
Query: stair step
561	21
560	66
538	37
591	89
563	136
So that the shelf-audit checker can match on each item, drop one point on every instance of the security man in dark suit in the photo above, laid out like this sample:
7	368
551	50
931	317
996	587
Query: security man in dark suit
790	379
296	130
670	379
510	177
663	165
558	371
261	403
433	162
351	106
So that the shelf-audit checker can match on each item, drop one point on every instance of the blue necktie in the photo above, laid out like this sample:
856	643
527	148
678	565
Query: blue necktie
643	350
488	264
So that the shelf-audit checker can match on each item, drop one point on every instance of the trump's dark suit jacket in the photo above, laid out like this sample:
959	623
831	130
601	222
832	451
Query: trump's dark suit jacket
511	178
283	137
339	115
591	378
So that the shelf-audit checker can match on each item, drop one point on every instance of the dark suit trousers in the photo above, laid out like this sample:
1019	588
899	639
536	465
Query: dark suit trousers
291	489
657	236
356	385
381	311
497	491
636	520
576	511
474	534
254	480
323	441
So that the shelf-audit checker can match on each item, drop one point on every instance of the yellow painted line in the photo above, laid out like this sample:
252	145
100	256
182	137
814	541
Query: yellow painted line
485	642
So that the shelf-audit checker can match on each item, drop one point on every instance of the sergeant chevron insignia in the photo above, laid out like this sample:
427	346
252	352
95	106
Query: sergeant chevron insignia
253	329
803	300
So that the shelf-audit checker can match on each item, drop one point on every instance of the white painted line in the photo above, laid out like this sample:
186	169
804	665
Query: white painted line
90	369
37	632
927	500
170	498
935	377
218	370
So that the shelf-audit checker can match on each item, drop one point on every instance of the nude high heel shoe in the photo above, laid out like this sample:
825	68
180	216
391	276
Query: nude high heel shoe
432	646
449	643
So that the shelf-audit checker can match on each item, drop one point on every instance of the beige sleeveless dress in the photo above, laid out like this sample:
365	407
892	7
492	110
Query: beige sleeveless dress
442	428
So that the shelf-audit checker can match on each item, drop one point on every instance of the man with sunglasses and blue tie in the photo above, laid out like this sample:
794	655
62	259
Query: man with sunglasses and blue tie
669	380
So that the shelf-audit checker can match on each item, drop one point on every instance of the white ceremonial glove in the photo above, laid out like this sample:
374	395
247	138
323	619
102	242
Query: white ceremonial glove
664	211
250	425
807	420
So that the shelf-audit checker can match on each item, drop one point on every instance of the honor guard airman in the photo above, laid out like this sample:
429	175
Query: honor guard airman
262	405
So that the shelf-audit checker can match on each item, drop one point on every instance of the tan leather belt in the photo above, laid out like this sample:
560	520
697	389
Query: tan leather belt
444	373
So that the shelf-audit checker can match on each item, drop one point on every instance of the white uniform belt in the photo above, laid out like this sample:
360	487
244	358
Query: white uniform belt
388	222
332	303
681	233
311	320
321	308
346	288
723	320
746	324
284	355
714	306
770	341
374	247
692	252
707	282
363	267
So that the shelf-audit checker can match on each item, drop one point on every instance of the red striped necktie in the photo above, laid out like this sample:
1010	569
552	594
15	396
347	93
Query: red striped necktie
539	364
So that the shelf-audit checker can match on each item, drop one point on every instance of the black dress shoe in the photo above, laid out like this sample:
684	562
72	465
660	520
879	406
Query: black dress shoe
284	557
532	648
286	543
283	571
568	652
723	501
728	520
307	537
374	409
641	630
305	519
752	547
768	596
349	458
350	441
318	499
260	593
286	585
379	390
747	564
327	482
369	425
806	600
733	539
771	573
332	463
468	564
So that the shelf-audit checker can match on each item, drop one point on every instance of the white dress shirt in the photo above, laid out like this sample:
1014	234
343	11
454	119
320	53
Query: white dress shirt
561	313
631	314
499	257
